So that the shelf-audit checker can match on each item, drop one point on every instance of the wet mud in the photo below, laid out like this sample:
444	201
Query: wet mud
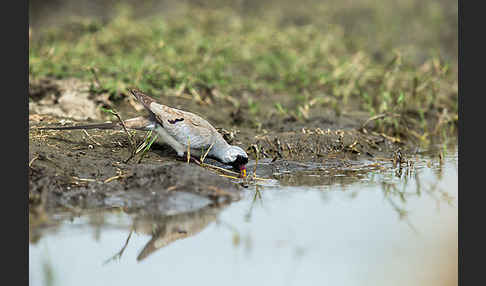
76	169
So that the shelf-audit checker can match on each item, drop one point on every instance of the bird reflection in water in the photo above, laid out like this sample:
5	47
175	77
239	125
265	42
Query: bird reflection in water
166	229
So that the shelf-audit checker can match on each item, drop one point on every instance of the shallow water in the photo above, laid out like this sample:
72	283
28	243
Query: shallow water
361	227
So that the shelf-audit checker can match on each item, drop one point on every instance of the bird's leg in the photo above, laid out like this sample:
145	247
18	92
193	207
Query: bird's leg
192	158
196	160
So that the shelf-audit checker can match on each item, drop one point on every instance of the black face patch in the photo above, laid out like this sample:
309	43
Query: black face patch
175	120
240	160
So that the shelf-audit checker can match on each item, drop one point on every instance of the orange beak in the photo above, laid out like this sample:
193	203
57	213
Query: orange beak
243	171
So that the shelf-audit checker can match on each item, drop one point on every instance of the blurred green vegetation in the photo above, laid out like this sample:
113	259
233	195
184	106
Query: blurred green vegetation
395	57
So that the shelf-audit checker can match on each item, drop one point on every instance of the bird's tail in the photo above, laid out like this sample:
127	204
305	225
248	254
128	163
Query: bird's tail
144	99
139	123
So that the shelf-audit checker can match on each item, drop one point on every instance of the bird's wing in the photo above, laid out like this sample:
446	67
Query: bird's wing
185	127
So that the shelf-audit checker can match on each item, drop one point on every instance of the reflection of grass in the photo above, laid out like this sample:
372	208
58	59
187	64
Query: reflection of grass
396	193
119	254
256	197
219	52
48	273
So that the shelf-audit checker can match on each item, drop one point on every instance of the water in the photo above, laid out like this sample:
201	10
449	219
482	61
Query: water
384	229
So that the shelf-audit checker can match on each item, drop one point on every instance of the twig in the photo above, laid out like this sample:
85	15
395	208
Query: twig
130	139
91	138
33	159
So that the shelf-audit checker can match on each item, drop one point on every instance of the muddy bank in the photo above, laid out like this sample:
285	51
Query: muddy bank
91	182
89	169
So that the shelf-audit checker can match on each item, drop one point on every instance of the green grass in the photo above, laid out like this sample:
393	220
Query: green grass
322	60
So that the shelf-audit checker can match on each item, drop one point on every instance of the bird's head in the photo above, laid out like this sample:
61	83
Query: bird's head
236	157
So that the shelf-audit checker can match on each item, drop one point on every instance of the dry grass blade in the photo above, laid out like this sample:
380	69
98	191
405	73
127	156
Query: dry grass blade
83	179
188	150
205	154
378	116
119	254
119	176
256	162
111	179
145	142
218	168
258	194
33	159
148	147
130	138
129	135
227	176
91	138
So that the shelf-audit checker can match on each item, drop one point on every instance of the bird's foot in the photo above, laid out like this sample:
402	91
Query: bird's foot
191	158
195	160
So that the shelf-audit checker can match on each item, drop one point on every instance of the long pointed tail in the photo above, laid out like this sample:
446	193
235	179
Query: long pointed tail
90	126
144	99
139	123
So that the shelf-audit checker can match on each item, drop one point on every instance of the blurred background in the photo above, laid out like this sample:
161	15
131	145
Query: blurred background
362	54
428	27
374	56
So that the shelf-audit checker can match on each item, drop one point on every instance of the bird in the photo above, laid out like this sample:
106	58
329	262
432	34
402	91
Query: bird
167	229
181	130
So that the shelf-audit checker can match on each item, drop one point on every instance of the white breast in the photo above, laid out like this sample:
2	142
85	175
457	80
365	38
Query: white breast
164	137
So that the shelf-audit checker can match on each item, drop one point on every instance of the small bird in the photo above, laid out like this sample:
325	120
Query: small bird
180	130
